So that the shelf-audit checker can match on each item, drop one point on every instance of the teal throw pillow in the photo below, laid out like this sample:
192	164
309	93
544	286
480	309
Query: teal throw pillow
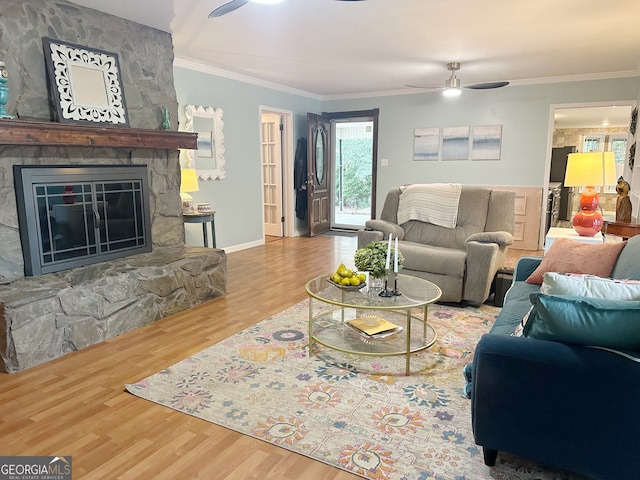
584	321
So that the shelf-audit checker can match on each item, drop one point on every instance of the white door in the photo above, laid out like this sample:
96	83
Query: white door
272	174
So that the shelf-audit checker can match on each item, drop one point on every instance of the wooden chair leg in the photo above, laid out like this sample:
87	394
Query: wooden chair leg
490	456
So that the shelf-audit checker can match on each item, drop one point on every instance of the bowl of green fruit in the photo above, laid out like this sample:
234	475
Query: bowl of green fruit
347	278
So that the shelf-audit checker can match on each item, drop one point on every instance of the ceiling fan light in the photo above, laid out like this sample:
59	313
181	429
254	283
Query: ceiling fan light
451	92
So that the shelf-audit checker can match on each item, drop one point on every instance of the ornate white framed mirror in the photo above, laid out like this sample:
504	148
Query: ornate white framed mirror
208	158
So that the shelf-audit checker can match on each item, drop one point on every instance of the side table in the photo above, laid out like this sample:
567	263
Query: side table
557	232
501	283
621	229
203	218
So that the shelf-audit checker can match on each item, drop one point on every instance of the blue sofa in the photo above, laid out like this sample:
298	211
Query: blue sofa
565	406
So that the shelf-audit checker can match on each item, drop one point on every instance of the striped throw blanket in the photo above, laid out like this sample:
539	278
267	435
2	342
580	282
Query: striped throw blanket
435	203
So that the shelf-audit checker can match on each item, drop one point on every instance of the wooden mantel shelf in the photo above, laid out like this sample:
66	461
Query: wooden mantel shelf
18	132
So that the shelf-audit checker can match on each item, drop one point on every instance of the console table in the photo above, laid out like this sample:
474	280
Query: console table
621	229
203	218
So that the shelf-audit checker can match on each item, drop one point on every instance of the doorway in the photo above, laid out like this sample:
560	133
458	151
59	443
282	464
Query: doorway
353	172
342	169
601	126
275	158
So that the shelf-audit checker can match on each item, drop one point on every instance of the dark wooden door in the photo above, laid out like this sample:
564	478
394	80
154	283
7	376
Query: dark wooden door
319	174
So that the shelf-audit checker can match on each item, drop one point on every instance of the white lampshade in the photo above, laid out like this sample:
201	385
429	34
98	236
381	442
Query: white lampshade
594	169
188	180
188	183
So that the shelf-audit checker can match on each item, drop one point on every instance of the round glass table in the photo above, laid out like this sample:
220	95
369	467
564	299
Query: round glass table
360	321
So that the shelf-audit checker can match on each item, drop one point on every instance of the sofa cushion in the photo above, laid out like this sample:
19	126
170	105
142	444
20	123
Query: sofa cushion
628	265
427	258
584	321
572	256
516	306
590	286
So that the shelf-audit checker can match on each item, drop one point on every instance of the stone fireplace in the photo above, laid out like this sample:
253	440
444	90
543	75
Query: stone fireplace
46	316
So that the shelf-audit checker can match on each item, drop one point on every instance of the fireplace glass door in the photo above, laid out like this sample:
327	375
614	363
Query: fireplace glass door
82	218
70	214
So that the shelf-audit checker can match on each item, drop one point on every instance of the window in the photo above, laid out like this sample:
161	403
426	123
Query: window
619	147
593	143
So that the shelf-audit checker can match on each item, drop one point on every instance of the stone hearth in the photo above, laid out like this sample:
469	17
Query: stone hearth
45	317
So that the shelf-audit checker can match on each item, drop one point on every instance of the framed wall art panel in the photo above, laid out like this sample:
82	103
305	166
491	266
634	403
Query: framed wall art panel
85	84
455	143
486	142
426	143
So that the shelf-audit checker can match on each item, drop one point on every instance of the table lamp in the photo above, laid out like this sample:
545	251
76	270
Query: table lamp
589	170
188	183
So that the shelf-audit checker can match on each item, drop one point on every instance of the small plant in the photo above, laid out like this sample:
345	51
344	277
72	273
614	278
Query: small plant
373	257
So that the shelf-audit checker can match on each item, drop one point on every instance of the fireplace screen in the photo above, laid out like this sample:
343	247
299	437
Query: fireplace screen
73	216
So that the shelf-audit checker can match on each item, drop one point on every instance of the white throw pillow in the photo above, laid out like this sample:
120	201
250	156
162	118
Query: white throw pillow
590	286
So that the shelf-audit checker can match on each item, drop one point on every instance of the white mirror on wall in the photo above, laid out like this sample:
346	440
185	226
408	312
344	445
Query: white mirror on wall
208	158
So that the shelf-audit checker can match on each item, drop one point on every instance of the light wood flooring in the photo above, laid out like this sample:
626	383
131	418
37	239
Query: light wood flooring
76	405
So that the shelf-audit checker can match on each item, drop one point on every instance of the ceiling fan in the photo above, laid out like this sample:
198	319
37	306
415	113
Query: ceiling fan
452	86
235	4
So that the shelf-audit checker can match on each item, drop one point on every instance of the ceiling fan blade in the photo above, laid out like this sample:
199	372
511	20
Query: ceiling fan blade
487	86
424	87
227	8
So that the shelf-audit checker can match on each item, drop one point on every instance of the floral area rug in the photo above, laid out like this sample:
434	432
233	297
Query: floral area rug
360	414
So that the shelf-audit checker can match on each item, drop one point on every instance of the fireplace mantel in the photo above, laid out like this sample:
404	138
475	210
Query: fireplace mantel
18	132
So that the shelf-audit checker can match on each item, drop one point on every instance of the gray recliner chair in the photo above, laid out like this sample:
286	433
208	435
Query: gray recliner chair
462	260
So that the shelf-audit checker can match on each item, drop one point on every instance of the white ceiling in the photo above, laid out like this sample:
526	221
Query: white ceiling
333	49
593	117
328	47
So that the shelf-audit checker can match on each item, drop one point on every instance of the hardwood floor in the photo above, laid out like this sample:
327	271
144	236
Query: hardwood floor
76	405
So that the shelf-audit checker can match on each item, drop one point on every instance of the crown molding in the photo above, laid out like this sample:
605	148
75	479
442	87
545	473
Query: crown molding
200	67
578	78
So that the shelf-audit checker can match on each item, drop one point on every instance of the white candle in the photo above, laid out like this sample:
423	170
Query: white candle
395	259
386	265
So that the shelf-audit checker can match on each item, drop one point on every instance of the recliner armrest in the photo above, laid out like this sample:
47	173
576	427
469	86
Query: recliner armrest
385	227
501	238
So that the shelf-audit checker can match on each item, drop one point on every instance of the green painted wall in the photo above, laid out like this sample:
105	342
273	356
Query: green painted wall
523	111
238	198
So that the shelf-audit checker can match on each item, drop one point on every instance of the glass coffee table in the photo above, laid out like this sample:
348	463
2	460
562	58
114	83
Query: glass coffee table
338	316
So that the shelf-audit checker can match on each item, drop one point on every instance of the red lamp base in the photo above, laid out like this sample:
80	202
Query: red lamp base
588	221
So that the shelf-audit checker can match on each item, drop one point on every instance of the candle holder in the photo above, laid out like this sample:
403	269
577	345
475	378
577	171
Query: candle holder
391	276
386	292
395	292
